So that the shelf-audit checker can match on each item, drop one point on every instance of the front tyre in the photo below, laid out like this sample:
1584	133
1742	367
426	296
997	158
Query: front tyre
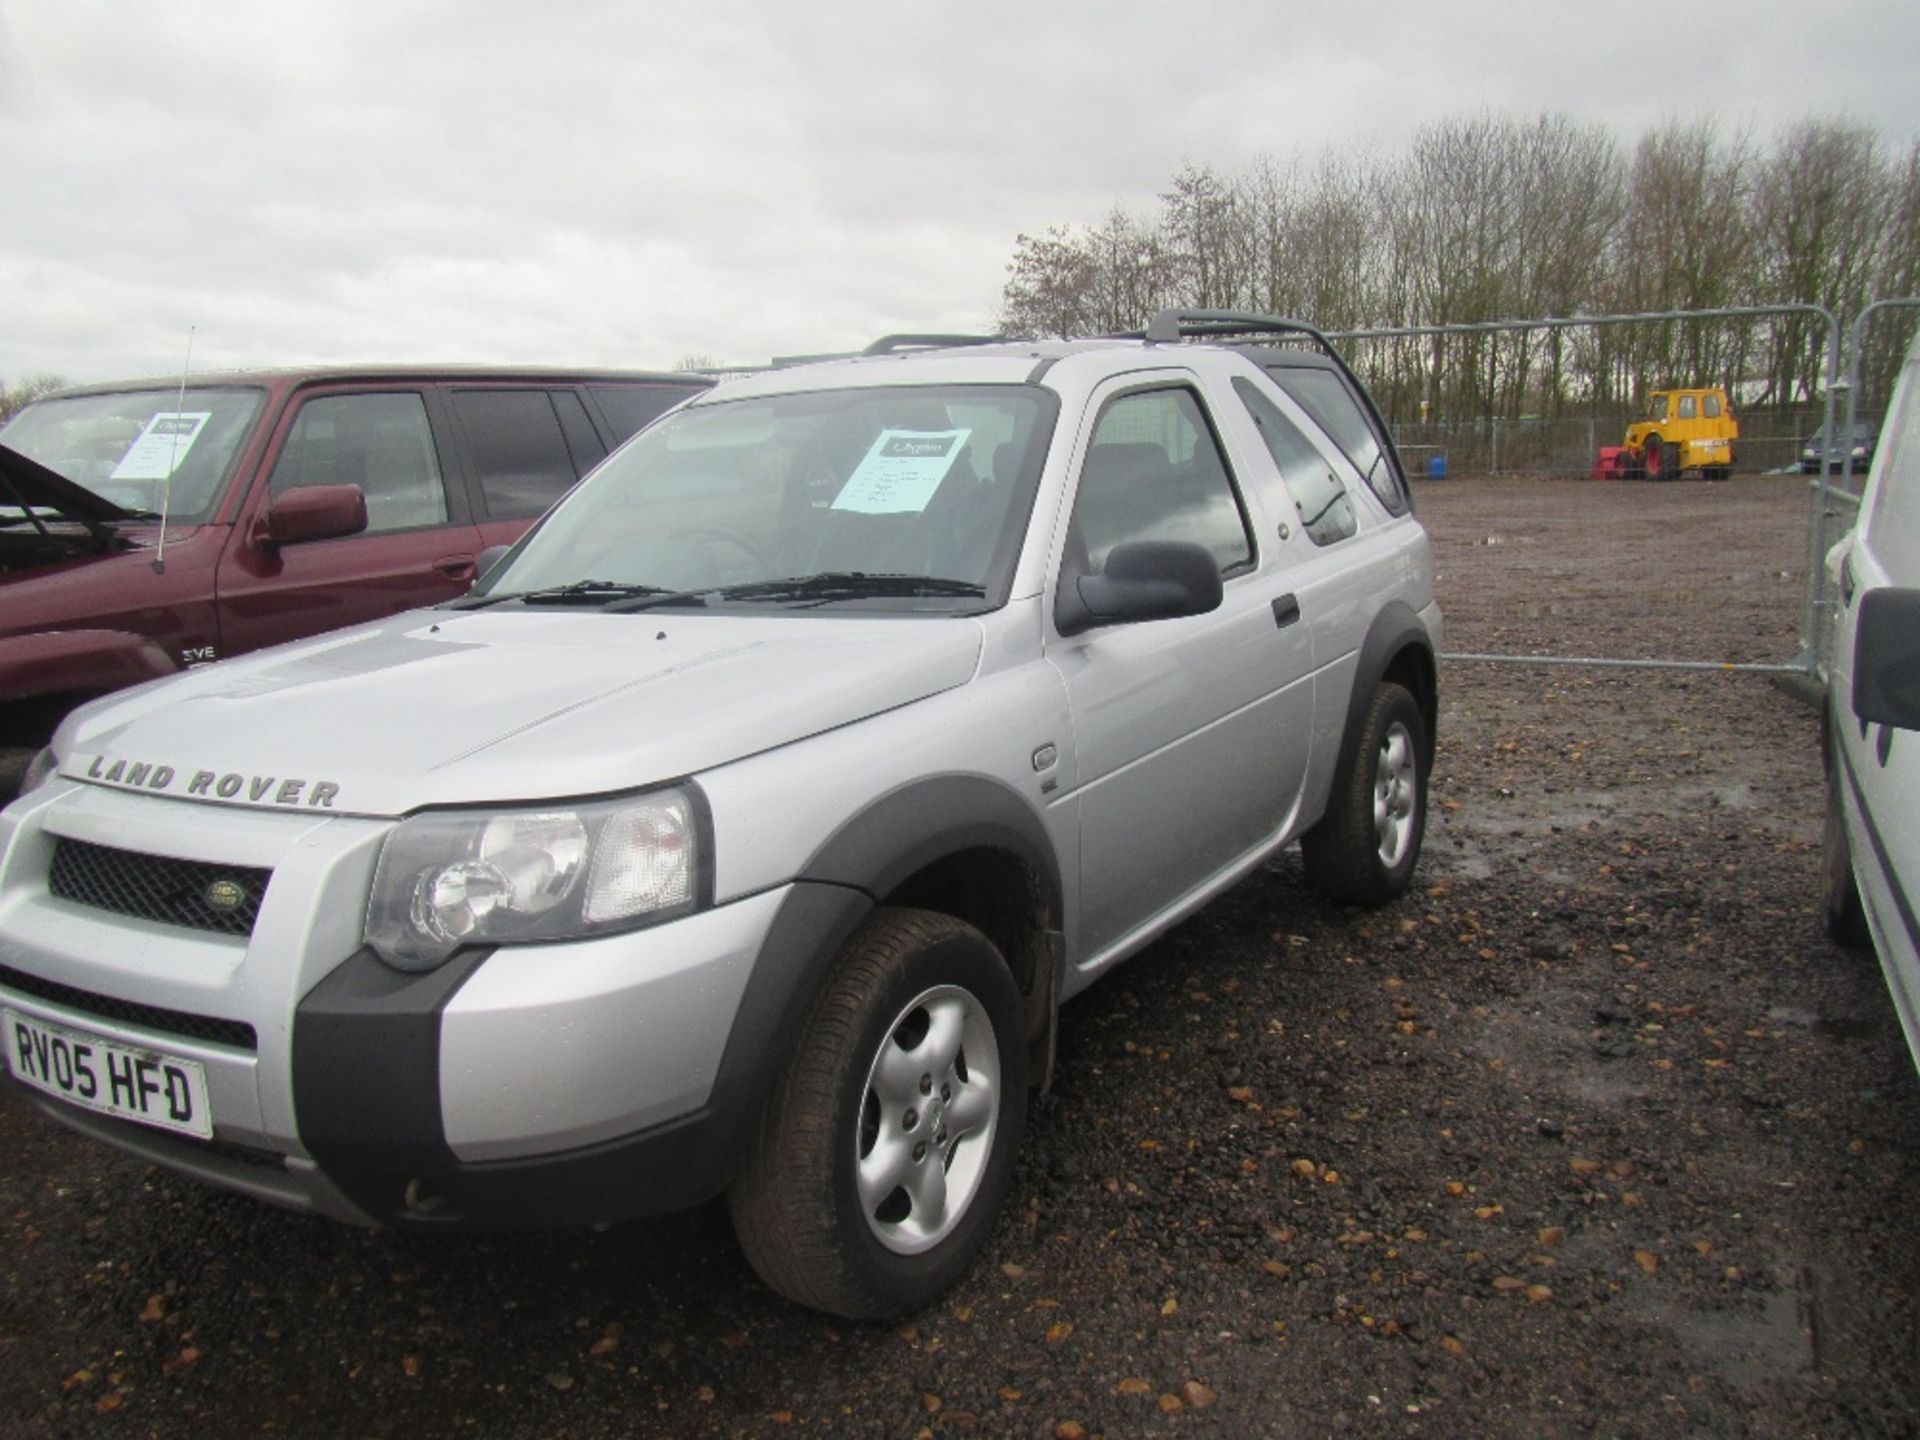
1363	852
1842	916
886	1147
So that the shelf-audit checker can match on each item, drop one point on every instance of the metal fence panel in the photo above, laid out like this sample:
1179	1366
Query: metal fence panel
1644	560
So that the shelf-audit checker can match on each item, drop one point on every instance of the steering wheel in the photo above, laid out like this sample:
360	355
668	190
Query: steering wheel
712	533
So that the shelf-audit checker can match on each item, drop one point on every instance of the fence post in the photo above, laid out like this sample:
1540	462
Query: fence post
1815	654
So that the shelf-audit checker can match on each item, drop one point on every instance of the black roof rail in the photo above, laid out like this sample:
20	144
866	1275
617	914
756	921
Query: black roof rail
891	344
781	362
1173	325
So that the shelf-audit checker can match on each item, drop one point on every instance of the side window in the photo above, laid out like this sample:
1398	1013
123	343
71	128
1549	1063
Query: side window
380	442
582	443
516	449
1713	406
630	408
1154	472
1324	396
1893	524
1687	407
1326	512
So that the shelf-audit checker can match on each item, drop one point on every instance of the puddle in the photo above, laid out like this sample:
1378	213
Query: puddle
1746	1348
1844	1028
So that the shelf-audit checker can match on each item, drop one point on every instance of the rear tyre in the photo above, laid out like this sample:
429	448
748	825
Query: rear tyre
1364	850
887	1145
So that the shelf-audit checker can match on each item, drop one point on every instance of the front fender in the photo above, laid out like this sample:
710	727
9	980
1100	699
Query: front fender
78	662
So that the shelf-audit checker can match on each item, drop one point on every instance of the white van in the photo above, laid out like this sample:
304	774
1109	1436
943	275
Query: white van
1872	866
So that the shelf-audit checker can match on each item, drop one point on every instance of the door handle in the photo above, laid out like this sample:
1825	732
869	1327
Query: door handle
455	567
1286	610
1847	582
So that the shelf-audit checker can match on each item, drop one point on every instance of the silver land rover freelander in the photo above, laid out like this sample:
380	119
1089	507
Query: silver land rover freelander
746	827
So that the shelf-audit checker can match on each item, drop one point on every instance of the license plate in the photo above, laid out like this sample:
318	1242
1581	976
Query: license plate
121	1080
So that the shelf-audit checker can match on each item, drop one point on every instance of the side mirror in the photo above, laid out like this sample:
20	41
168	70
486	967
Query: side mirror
1886	658
1143	580
487	559
315	512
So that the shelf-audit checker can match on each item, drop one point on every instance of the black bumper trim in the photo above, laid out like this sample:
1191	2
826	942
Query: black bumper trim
366	1075
211	1028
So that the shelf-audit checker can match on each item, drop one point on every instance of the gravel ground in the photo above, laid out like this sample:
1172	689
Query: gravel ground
1592	1134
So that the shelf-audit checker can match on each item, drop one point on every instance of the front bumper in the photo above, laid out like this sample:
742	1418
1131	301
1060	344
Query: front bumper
530	1085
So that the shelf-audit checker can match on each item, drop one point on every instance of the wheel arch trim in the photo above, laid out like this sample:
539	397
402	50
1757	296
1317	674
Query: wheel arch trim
1396	632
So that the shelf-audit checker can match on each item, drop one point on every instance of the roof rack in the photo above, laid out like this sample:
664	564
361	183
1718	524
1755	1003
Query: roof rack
1173	325
891	344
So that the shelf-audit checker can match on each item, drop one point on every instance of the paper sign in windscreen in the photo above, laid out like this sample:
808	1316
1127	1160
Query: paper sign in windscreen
163	445
899	474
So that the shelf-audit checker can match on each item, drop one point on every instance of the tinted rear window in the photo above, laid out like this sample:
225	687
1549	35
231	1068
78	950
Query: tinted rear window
516	448
1324	396
630	408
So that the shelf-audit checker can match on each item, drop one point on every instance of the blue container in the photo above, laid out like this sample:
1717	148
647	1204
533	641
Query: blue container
1437	467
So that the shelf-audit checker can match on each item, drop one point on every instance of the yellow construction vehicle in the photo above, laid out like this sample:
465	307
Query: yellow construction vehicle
1684	430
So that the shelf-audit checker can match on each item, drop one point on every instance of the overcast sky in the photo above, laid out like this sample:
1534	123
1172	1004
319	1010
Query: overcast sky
629	183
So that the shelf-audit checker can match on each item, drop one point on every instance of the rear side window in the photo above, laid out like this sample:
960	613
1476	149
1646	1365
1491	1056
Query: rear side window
1325	397
1893	524
1154	472
1713	407
631	408
380	442
1687	411
1326	512
516	449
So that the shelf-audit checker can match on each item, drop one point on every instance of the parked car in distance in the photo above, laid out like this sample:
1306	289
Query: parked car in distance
1871	875
1856	458
745	829
294	501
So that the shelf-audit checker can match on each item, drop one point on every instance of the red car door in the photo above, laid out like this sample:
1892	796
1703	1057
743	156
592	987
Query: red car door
418	547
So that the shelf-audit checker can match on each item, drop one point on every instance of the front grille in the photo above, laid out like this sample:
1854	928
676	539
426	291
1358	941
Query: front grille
236	1033
156	887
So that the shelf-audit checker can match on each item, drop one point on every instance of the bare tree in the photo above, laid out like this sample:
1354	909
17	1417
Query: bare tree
1485	218
15	397
1899	278
1820	215
1050	286
1683	245
1200	218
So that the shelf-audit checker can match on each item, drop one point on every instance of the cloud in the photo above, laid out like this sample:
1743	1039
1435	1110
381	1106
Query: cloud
612	183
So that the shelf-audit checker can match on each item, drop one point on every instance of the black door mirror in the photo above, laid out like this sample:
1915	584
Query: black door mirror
487	559
1886	658
1143	580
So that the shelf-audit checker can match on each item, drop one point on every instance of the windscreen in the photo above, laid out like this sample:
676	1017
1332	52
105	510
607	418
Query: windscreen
733	495
134	446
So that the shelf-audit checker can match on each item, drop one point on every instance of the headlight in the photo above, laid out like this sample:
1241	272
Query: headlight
465	877
1858	451
40	769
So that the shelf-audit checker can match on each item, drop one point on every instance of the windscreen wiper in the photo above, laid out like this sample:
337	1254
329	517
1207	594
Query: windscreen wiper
850	585
606	594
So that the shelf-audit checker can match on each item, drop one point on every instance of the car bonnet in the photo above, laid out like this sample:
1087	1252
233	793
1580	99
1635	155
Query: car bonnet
436	708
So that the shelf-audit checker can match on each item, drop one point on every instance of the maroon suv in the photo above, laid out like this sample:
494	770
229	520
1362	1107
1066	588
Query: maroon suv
145	527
